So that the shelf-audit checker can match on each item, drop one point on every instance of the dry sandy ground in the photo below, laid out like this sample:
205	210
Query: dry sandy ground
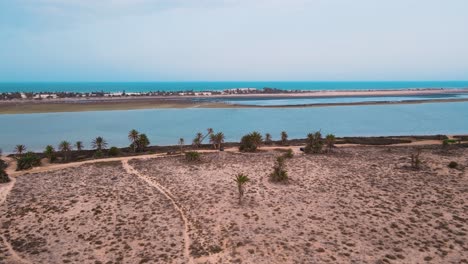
357	205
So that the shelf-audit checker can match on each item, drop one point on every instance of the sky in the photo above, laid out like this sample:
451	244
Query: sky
222	40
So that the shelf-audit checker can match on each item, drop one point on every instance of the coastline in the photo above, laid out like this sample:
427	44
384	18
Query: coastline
28	106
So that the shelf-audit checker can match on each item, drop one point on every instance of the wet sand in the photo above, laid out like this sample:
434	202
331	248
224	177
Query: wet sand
356	205
156	102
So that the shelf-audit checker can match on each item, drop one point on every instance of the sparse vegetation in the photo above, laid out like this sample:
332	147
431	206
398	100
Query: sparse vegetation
181	145
65	147
192	156
289	154
330	142
49	152
279	170
99	143
20	149
268	139
98	154
3	175
114	151
28	161
241	180
217	139
250	142
197	141
284	138
79	145
314	143
415	161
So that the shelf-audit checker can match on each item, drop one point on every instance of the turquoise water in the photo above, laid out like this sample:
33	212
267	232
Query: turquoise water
166	126
198	86
329	100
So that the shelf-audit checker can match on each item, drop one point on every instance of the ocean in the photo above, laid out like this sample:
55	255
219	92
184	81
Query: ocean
218	86
166	126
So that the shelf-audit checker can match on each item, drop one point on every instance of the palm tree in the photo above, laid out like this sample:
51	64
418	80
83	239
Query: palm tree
79	145
49	152
143	141
330	141
241	180
65	147
284	137
210	131
217	139
181	144
133	136
198	140
19	149
99	143
267	138
257	138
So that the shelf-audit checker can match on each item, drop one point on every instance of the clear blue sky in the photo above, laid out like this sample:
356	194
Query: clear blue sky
143	40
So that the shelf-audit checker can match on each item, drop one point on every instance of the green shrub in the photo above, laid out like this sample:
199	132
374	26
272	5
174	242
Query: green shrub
114	151
250	142
279	172
98	154
314	143
289	154
28	161
4	176
192	156
3	164
453	165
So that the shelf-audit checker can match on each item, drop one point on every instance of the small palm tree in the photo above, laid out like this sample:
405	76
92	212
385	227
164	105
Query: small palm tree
330	141
209	131
284	137
217	140
19	149
241	180
133	136
197	141
65	147
79	145
181	144
99	143
49	152
267	138
257	138
143	142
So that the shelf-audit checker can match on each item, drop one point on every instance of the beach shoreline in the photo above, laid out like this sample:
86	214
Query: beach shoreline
26	106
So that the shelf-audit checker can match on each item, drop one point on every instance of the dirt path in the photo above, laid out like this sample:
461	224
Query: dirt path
169	196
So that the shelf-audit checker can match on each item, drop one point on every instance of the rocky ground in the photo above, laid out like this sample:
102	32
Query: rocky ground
356	205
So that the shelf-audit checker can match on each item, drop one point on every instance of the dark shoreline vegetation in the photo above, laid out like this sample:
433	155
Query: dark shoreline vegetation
252	142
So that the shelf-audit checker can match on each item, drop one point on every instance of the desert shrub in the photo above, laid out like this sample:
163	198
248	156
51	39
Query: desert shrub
114	151
250	142
98	154
192	156
453	165
27	161
415	161
314	143
289	154
4	176
3	164
279	171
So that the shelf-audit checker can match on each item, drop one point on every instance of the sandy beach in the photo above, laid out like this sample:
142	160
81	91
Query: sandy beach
18	106
359	204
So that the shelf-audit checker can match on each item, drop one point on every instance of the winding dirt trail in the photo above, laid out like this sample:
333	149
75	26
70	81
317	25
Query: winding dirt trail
129	169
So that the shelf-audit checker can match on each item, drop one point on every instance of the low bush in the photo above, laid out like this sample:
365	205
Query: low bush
279	172
289	154
28	161
314	143
114	151
3	175
453	165
250	142
98	154
192	156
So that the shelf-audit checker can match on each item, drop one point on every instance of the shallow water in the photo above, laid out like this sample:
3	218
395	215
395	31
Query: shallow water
166	126
199	86
330	100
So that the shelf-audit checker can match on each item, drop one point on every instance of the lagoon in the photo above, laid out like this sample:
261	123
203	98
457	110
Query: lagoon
166	126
